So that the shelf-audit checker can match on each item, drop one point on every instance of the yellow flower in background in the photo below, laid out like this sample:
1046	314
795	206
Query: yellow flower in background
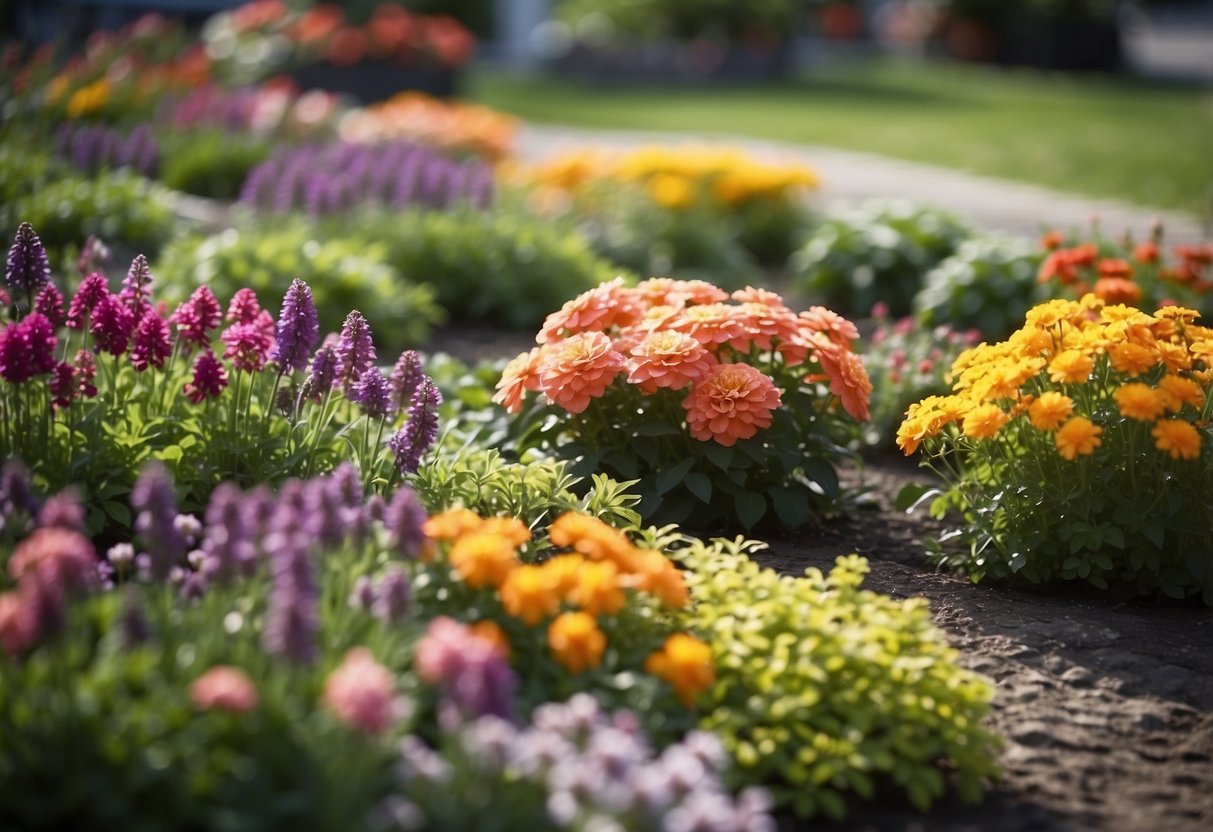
686	664
1140	401
483	559
576	642
1071	367
88	99
564	570
1178	438
452	524
1132	359
530	594
672	191
984	421
1049	410
1077	437
1179	391
656	575
598	590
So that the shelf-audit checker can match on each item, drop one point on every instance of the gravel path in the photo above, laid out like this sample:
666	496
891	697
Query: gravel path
849	177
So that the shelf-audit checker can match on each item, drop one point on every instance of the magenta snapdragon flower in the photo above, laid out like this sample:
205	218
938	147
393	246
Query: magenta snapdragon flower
248	346
153	342
89	293
112	325
196	317
210	377
50	304
27	349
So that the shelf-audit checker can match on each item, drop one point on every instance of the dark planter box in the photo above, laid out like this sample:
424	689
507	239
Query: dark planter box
371	81
662	62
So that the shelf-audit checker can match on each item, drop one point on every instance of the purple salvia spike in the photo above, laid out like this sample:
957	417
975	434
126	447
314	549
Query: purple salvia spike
155	506
406	377
298	328
27	269
355	349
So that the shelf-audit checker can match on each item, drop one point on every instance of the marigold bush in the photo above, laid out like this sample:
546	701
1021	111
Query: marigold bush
722	406
1081	448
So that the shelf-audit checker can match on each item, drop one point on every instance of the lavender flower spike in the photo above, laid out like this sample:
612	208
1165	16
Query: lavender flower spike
298	328
411	442
372	394
355	349
292	613
406	378
155	504
27	268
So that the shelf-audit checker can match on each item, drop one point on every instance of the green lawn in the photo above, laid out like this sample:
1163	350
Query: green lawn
1142	142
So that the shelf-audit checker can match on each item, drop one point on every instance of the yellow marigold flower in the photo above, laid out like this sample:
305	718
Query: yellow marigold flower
88	99
984	421
1174	357
452	524
686	664
483	559
1049	410
511	528
1049	313
1140	401
1178	438
491	632
1071	366
672	191
1132	359
655	574
598	590
576	642
593	538
1180	391
1078	436
564	570
530	593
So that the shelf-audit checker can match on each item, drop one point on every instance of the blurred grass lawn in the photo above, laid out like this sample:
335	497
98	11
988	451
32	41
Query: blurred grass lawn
1134	140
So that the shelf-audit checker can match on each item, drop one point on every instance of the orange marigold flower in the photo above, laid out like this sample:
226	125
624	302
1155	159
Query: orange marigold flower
1178	438
597	310
849	380
668	359
1049	410
530	593
1057	265
1179	391
598	590
685	663
1146	252
1132	359
564	570
1077	436
520	375
1052	240
1071	366
511	528
655	574
451	524
734	401
579	369
1117	290
1140	401
592	538
984	421
490	631
483	559
576	642
1115	267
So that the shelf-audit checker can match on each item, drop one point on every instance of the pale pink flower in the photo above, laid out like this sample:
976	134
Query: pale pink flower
359	692
224	688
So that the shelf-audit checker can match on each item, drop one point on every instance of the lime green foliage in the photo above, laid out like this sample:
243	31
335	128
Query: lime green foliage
878	252
504	267
826	690
684	18
988	284
66	206
1104	136
343	274
210	163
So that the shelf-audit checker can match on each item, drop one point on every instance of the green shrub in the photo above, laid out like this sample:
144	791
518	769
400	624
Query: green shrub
506	268
825	690
66	207
880	251
210	163
343	274
988	284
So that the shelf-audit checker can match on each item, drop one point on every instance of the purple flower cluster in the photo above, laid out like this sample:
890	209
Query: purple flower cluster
474	679
328	179
298	328
92	148
27	268
593	769
27	349
411	442
155	505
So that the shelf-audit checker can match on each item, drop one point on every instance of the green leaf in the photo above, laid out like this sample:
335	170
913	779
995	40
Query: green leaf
656	429
719	455
791	505
914	494
750	508
172	453
117	511
670	477
699	485
822	472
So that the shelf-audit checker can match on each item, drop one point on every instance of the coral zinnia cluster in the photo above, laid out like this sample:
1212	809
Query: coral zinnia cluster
667	334
1080	372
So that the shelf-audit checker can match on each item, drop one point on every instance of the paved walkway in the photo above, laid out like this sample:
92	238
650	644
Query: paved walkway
848	177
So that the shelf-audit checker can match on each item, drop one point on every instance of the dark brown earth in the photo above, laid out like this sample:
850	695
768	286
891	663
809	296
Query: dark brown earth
1105	707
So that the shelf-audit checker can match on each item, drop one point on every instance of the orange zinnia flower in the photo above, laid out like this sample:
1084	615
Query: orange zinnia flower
597	310
597	589
1146	252
835	327
520	375
848	380
668	359
1178	438
483	559
578	369
1140	401
530	593
1117	290
984	421
761	323
1078	436
452	524
1049	410
686	664
734	401
709	323
576	642
655	574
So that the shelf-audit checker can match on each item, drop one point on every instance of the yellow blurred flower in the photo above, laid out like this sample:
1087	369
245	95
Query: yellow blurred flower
530	594
1077	437
598	590
483	559
1140	401
672	191
686	664
1049	410
88	99
576	642
1178	438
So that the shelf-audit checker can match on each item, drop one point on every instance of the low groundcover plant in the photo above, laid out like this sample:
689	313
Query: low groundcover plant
1081	448
720	405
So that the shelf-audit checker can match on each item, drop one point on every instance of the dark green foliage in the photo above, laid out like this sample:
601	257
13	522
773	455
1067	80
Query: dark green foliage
210	163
